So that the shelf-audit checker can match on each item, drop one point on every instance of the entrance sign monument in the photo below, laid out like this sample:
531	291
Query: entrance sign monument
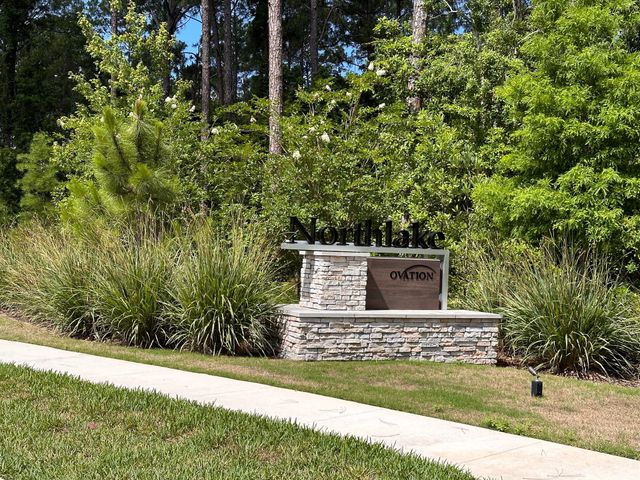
360	300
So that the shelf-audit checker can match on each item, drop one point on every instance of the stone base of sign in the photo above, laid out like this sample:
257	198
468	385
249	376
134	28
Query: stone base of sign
333	280
438	335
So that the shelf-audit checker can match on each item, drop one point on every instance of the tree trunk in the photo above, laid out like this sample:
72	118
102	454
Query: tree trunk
234	69
303	65
275	75
313	39
173	13
166	81
229	80
114	33
518	10
419	21
419	31
205	43
218	54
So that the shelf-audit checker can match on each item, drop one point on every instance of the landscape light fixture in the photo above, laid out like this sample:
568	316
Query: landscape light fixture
536	383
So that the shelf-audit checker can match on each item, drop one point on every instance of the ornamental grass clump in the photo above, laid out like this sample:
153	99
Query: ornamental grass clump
566	313
224	298
46	275
486	277
130	285
194	284
562	310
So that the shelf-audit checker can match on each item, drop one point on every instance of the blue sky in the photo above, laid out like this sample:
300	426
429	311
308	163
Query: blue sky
189	33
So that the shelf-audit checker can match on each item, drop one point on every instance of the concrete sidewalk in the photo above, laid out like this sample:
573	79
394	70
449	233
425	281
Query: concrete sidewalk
485	453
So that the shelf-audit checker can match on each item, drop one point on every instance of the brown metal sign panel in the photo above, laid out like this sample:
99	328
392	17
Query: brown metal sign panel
403	284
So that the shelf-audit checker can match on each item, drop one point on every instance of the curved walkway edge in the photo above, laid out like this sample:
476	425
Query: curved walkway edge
485	453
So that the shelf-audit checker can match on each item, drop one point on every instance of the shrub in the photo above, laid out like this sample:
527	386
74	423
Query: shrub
224	294
562	310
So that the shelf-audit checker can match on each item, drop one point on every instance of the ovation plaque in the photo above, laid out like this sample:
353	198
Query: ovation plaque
403	284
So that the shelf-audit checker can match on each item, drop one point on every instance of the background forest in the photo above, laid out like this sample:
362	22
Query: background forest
511	126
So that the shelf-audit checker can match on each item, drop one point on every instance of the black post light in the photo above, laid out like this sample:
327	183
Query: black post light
536	384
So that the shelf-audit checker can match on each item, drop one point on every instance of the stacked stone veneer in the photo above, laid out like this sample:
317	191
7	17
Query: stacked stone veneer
332	323
333	281
438	335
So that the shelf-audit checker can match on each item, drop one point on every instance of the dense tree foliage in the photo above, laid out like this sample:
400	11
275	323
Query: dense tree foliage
571	162
481	117
40	43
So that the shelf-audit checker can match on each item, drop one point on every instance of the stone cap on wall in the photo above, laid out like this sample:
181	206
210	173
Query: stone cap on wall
334	253
302	312
319	247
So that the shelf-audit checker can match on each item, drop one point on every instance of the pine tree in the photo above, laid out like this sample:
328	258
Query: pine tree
129	166
39	178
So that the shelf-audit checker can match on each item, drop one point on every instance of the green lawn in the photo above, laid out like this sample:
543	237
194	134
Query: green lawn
576	412
57	427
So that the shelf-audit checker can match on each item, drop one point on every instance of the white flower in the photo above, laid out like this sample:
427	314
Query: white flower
348	94
327	88
382	105
305	136
312	129
168	99
371	67
325	137
174	105
381	73
252	120
296	154
192	109
215	130
332	103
